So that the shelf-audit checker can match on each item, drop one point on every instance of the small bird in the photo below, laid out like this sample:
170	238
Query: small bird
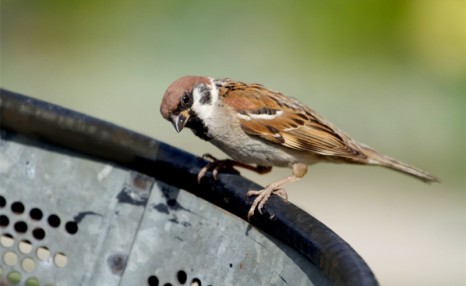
260	128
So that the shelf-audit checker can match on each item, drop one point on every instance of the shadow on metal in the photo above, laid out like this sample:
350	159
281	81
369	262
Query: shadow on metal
31	122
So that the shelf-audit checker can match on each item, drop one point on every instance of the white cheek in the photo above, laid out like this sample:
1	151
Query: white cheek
204	111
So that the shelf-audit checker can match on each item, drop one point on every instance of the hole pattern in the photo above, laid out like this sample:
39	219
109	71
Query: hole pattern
17	207
60	259
6	240
33	281
25	246
153	281
181	276
28	264
42	253
21	227
10	258
38	233
54	220
14	277
26	256
36	214
71	227
181	279
4	221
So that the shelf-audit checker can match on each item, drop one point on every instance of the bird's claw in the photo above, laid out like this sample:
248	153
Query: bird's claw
214	164
262	197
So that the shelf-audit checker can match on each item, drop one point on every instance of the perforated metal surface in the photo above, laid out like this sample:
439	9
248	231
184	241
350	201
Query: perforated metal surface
104	225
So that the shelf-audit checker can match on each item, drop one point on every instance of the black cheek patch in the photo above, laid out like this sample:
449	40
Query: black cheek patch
206	97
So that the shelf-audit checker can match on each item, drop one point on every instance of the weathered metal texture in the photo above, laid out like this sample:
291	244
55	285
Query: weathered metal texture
130	228
136	224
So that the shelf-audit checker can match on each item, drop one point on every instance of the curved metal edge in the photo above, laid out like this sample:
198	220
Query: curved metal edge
105	141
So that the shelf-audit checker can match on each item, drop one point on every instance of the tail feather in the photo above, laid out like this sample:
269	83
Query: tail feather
376	158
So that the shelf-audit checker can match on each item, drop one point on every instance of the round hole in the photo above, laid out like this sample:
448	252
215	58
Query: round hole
17	207
28	264
42	253
7	240
181	276
33	281
25	246
167	284
71	227
4	221
2	202
54	220
35	214
152	281
196	282
21	227
60	259
14	277
10	258
38	233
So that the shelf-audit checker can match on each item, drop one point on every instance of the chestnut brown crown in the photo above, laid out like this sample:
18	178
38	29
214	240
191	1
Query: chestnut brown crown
171	101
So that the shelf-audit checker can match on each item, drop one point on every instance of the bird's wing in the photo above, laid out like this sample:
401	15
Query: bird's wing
283	120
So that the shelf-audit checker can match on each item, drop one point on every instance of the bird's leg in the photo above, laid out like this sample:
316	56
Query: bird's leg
217	165
299	170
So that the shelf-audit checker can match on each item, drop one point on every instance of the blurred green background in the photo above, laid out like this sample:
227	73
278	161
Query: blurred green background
390	73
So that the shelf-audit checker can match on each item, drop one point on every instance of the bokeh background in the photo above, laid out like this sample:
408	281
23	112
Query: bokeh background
390	73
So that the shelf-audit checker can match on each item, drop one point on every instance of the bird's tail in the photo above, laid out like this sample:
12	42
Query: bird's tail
376	158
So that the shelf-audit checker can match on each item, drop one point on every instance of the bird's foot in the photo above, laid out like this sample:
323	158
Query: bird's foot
216	165
263	196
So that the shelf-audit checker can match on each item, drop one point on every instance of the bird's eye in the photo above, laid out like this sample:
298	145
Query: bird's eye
186	100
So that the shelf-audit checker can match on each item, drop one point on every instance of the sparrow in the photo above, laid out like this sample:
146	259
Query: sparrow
260	128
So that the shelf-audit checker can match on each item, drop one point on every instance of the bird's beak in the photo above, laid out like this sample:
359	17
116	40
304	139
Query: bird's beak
179	121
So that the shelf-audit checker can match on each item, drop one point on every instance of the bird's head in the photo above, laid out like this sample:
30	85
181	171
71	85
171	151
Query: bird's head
181	96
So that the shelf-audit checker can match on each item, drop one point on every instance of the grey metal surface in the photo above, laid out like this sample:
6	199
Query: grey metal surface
131	229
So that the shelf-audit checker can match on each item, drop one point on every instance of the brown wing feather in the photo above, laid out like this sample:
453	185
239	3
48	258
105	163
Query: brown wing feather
297	126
